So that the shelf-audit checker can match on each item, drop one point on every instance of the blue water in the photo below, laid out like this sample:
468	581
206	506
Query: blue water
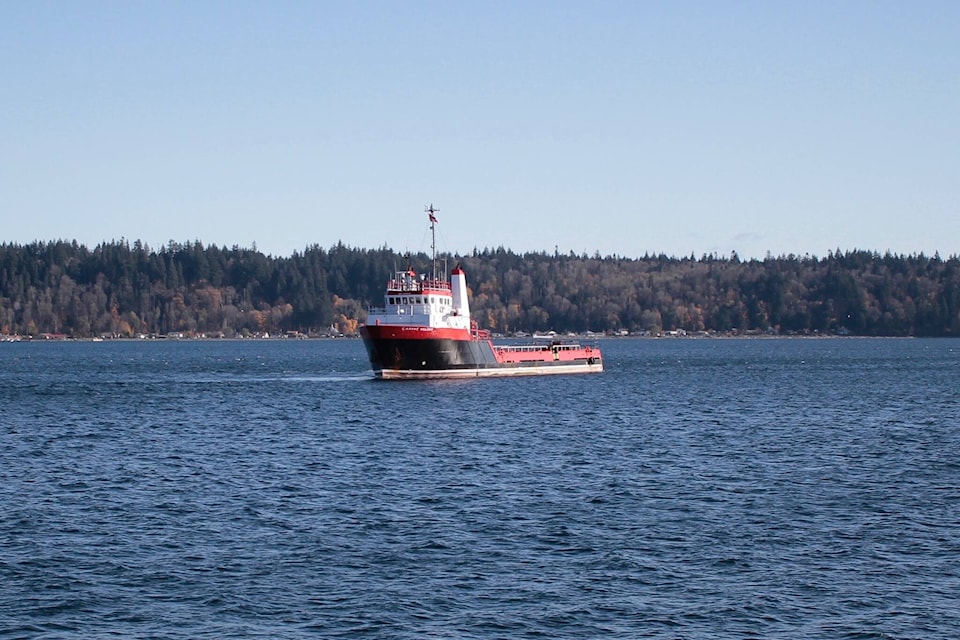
696	489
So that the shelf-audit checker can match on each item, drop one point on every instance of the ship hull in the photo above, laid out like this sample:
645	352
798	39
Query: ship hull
408	353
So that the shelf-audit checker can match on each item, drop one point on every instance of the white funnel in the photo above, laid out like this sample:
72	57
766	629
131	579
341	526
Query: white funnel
458	287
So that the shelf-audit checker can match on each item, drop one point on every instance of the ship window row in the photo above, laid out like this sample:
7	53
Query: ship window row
417	300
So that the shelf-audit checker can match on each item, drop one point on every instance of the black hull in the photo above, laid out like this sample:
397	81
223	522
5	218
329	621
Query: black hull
429	354
447	358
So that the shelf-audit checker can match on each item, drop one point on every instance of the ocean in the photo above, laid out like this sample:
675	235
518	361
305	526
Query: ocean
698	488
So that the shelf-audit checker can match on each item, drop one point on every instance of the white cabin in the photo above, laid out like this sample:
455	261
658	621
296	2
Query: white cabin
413	299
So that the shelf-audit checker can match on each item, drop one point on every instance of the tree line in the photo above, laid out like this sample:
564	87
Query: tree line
120	289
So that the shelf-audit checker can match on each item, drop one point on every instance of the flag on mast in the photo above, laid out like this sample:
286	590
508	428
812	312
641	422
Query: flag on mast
430	212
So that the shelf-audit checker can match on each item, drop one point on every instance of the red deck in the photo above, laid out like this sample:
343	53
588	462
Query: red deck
544	353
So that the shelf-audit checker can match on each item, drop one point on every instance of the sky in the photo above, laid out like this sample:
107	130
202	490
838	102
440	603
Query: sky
620	128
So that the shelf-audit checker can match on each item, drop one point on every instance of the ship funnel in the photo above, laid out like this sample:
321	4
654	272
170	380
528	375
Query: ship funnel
458	287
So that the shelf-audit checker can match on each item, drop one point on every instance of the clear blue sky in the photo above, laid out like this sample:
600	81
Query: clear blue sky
619	127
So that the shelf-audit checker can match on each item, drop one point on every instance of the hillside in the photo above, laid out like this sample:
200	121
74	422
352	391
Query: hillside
123	290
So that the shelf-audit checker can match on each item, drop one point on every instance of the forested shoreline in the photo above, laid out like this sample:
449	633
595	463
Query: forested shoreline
124	290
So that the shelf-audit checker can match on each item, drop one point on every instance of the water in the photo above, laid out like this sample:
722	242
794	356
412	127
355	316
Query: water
696	489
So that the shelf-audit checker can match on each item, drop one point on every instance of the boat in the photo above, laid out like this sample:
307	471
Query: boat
424	331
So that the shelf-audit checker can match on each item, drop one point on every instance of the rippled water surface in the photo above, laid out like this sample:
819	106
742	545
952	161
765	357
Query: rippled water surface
696	489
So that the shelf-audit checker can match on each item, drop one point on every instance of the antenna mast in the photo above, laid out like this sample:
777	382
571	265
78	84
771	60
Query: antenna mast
433	236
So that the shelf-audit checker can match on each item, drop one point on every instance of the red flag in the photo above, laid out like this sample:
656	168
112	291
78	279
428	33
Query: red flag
433	218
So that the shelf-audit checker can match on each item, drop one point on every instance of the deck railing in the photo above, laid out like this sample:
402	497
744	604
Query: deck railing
414	285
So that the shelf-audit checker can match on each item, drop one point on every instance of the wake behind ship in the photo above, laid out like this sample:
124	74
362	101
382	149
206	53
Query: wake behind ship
424	330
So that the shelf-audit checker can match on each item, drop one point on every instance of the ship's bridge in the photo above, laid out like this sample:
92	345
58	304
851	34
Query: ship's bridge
416	299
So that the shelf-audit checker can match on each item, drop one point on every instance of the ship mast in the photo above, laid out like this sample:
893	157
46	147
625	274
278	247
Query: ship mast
433	236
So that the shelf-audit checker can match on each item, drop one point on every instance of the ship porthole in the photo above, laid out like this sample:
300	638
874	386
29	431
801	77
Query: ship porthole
423	363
